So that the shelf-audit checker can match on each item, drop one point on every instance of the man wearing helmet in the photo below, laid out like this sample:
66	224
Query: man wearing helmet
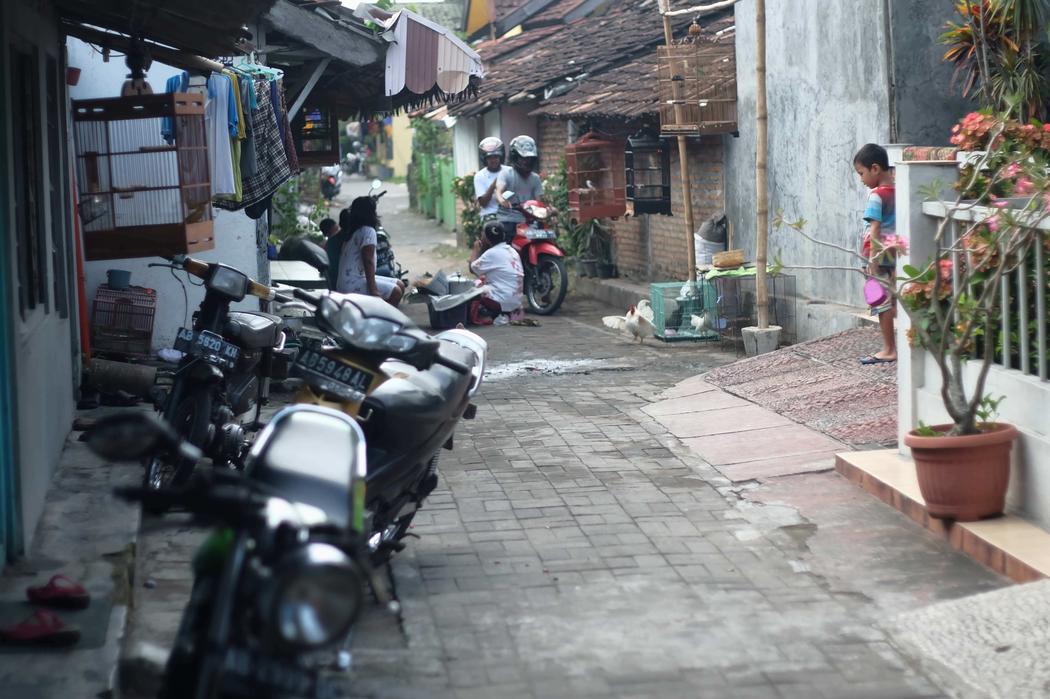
491	151
521	180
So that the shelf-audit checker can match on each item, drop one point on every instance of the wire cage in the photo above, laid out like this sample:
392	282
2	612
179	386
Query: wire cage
122	320
142	176
697	85
595	169
682	311
315	133
736	307
647	166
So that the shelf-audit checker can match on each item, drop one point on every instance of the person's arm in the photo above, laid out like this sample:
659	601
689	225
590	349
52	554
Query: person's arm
484	194
501	187
873	215
478	260
368	261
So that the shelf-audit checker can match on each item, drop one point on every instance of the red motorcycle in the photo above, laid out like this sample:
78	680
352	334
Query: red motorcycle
543	261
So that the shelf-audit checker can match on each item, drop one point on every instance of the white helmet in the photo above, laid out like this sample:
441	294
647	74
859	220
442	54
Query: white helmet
490	146
523	147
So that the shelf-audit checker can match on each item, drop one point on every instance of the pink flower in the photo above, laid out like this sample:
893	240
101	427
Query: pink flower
992	222
1023	186
1000	203
896	242
1011	170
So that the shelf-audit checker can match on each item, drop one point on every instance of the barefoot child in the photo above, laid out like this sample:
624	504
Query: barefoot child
872	164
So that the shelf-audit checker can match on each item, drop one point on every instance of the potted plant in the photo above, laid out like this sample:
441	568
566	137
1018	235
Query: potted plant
954	304
953	301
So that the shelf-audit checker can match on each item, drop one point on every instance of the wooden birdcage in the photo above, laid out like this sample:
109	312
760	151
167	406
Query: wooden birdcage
143	181
647	165
315	133
595	169
697	83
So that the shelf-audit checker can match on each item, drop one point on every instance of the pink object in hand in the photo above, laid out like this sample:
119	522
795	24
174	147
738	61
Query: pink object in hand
874	292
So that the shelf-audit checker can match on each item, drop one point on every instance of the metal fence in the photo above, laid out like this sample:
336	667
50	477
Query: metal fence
1023	321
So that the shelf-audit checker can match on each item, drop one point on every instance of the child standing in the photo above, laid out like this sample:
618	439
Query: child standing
872	164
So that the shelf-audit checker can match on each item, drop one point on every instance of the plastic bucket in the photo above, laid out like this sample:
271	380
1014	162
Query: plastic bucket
118	278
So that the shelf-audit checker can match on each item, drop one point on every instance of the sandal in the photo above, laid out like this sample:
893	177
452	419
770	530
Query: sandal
60	591
43	628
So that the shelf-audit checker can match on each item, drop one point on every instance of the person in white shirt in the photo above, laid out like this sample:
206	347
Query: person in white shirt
357	262
491	151
499	267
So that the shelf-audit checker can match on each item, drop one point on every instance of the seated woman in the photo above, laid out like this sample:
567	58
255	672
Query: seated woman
357	263
499	267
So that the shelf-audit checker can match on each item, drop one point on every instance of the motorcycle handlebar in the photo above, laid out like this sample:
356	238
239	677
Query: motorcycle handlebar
229	502
200	269
304	295
452	364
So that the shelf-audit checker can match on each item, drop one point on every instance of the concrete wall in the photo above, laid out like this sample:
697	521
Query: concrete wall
235	233
465	141
515	120
838	75
402	138
43	369
828	94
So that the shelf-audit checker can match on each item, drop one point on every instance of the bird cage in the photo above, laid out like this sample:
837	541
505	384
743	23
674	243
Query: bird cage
315	134
683	311
647	169
736	306
143	180
595	178
697	85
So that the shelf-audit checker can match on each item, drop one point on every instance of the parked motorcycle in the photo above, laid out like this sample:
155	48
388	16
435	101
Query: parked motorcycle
279	584
331	181
407	389
386	265
228	360
543	261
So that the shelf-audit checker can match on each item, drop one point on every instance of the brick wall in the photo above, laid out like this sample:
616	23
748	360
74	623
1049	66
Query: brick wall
654	247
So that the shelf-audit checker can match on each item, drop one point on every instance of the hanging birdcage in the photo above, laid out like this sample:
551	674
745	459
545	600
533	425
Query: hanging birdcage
647	169
697	83
143	182
315	133
595	178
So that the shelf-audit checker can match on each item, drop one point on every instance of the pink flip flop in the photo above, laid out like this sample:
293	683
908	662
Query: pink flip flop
60	591
43	628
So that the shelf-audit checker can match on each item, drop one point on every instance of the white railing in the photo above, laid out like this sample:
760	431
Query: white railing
1015	293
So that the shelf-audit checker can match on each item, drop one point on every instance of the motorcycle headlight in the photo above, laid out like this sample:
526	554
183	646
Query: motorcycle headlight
369	333
228	281
318	597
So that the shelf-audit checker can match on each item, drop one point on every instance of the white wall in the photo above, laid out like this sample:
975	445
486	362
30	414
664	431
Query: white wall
235	233
43	371
465	141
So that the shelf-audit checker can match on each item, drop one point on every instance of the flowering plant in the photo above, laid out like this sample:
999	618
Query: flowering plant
991	231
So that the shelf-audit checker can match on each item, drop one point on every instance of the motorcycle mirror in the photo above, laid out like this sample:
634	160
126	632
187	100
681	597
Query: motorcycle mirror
134	435
377	183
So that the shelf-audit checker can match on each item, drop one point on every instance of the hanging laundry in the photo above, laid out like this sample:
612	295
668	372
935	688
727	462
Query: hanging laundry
248	165
221	123
271	159
289	142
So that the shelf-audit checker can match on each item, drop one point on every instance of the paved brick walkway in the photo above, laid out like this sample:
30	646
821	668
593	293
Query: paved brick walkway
575	548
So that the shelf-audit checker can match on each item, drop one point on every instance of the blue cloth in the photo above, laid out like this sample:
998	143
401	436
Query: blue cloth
180	83
881	207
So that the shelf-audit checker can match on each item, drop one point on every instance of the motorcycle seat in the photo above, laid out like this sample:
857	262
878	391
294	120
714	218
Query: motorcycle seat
413	396
253	329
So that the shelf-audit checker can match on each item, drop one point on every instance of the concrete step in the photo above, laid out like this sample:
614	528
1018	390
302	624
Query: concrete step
1009	545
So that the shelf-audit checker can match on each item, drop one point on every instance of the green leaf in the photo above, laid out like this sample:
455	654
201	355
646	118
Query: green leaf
911	271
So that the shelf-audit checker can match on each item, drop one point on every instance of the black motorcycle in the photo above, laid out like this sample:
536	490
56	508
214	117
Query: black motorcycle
278	586
408	391
228	360
386	265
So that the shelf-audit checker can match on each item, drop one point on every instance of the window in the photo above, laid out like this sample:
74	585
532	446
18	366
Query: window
30	236
56	183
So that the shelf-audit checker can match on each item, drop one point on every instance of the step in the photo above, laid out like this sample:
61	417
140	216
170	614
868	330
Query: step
1009	545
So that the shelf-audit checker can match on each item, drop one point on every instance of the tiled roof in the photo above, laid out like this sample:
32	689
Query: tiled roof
546	56
628	91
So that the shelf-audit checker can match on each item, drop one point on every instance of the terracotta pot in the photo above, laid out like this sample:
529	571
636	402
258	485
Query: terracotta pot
963	478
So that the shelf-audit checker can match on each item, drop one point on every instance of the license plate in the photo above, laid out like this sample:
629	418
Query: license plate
354	378
207	344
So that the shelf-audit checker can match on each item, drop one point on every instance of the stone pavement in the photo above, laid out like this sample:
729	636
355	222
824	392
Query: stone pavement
576	548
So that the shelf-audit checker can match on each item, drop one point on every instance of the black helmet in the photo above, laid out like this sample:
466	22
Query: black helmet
491	146
494	232
523	147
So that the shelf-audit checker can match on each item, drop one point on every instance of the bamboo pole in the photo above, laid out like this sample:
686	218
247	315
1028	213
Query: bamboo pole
683	155
761	164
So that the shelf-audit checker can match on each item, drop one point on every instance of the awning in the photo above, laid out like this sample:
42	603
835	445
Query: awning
424	59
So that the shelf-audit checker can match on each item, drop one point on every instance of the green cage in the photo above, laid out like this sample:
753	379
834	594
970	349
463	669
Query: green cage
674	306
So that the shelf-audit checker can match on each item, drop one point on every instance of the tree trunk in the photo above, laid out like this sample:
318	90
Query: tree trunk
761	159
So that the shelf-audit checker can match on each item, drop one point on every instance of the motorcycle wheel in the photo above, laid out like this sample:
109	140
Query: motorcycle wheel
546	284
192	419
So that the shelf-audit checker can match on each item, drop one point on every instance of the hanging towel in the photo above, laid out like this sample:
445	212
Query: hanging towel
248	166
289	142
